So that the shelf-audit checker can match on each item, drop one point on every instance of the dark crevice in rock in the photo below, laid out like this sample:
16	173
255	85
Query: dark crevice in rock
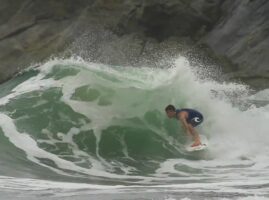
143	44
18	31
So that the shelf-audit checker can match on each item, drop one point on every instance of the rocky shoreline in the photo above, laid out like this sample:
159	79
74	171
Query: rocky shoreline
233	34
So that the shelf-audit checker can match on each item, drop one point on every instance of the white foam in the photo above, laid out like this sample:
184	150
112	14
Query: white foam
24	142
235	137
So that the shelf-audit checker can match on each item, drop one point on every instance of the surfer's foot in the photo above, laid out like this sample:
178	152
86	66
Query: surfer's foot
196	144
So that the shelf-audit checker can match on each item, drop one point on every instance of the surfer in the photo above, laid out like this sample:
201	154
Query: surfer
189	118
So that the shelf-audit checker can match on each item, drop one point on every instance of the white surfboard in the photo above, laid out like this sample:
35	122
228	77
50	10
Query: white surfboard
197	148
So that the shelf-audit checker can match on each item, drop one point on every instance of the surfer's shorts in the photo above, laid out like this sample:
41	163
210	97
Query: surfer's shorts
196	120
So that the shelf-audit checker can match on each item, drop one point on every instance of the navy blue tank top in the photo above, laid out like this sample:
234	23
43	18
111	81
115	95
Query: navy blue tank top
191	113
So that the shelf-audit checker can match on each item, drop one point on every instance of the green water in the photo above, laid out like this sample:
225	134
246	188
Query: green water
72	123
130	135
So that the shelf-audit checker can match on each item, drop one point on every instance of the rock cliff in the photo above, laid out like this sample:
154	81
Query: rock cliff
234	33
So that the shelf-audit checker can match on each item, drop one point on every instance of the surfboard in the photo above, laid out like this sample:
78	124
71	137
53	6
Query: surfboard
196	148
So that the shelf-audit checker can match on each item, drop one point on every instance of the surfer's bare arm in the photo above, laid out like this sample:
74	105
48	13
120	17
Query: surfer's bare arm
183	119
189	129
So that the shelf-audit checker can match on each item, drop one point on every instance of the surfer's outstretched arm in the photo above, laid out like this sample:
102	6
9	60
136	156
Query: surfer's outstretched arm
183	120
185	126
190	130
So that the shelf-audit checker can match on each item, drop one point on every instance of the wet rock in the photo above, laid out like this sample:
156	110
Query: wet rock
126	32
242	36
31	31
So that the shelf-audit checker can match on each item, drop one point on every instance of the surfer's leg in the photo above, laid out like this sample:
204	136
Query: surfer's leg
196	137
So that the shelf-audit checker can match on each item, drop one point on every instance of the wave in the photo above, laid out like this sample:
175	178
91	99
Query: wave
97	122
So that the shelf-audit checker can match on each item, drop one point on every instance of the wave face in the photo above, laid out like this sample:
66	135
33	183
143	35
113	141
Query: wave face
76	124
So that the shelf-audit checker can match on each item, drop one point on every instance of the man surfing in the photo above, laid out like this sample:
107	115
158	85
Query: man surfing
189	118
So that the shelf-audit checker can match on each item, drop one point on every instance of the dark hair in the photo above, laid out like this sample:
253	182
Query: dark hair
170	108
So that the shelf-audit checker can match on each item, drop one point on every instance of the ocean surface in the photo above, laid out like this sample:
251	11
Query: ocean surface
72	129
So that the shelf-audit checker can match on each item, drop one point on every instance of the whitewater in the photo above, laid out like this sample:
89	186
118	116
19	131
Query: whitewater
74	129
